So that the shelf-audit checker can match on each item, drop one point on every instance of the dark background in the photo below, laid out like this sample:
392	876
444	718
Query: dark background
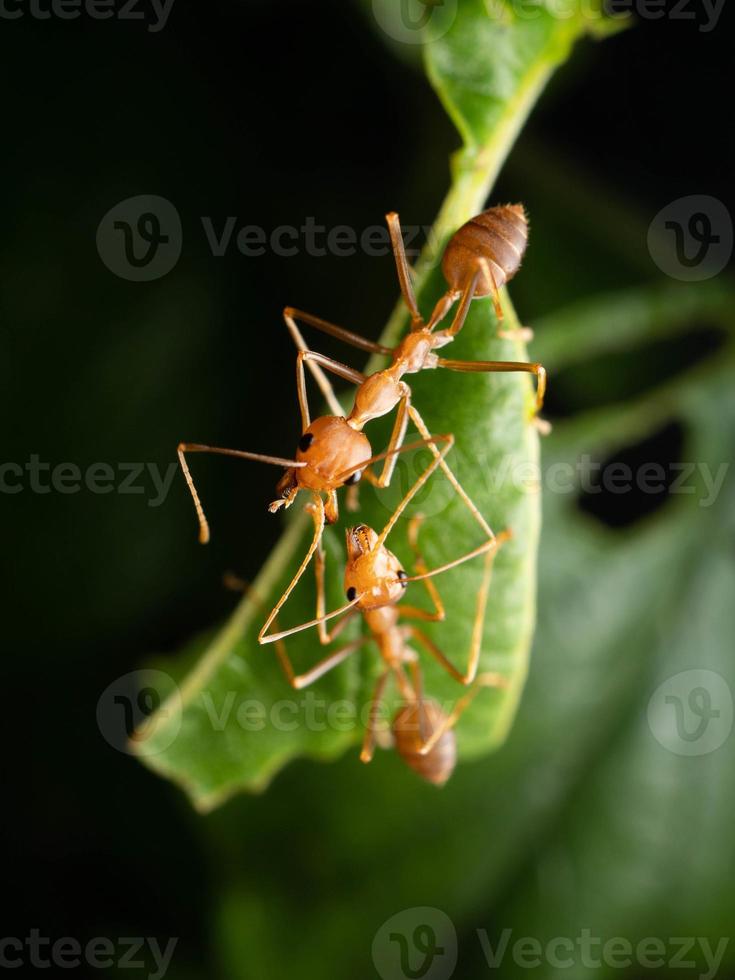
270	112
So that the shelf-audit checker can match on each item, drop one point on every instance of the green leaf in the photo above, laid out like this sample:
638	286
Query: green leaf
237	722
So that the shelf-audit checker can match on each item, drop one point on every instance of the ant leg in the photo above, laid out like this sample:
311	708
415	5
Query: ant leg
290	315
415	695
195	447
368	744
418	483
237	584
396	441
326	637
502	367
443	306
317	513
477	629
298	681
495	293
483	681
411	612
421	426
331	508
463	309
341	370
487	548
402	268
416	676
392	453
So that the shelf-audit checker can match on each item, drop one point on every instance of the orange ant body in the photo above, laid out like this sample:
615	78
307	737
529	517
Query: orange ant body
374	584
491	245
333	450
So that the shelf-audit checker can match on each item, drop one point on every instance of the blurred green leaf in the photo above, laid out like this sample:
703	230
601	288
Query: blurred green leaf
240	721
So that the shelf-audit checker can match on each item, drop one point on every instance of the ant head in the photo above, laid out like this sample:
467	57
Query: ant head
329	448
372	572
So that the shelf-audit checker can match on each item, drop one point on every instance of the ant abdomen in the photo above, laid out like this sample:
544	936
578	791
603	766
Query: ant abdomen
499	236
412	726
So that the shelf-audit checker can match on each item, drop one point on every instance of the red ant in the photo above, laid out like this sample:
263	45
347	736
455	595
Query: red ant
375	582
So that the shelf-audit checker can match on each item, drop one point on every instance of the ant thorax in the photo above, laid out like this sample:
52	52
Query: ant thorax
377	396
415	352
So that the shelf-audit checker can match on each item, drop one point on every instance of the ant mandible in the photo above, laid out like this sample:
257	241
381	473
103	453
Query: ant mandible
374	583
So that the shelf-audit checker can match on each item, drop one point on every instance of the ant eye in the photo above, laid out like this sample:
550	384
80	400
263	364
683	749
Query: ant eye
351	593
354	478
401	577
305	441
